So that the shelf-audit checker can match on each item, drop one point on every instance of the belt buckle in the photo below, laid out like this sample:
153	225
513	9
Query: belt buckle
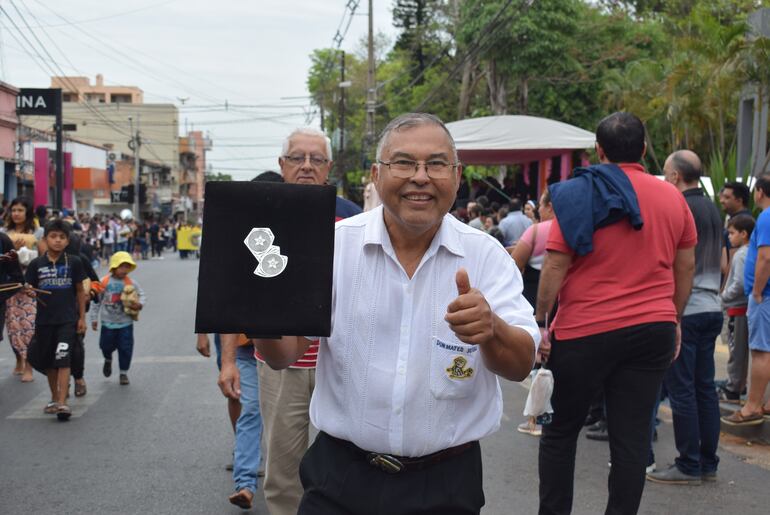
385	462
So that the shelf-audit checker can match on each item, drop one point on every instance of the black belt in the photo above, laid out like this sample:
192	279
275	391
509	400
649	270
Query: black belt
395	464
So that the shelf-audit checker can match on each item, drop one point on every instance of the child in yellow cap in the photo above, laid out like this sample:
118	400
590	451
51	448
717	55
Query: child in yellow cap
120	299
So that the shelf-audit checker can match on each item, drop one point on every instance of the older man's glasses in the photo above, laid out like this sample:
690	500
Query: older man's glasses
297	160
407	168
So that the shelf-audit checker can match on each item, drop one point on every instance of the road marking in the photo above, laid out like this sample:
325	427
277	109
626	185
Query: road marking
79	405
34	408
159	359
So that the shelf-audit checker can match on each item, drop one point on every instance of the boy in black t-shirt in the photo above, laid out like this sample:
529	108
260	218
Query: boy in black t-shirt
61	318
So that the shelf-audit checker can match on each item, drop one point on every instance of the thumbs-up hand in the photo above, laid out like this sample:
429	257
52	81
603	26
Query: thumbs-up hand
469	315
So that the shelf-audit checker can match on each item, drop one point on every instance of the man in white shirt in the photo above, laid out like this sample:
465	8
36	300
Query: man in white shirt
407	382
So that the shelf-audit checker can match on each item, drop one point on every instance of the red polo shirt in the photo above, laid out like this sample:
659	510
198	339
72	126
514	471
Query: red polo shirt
628	279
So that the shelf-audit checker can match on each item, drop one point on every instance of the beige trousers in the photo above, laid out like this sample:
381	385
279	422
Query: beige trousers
284	400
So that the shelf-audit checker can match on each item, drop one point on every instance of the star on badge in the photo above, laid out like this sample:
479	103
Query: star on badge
270	261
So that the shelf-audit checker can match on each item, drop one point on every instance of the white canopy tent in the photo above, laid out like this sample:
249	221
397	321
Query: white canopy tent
513	139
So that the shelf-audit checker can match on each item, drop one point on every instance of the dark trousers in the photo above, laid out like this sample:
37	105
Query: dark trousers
121	340
339	481
157	248
629	365
77	366
693	397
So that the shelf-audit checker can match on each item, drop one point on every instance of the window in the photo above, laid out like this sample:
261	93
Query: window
120	98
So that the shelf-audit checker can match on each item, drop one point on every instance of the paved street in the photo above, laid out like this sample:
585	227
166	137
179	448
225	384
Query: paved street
160	445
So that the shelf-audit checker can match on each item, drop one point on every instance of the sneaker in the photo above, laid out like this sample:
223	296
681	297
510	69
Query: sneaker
124	379
709	476
63	413
650	469
598	432
107	368
673	476
530	429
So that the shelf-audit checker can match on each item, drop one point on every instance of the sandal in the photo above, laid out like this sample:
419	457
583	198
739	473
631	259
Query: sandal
739	419
63	412
766	412
50	408
80	389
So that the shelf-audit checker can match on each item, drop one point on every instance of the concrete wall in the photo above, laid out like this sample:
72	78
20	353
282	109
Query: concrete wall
158	125
83	156
8	121
79	89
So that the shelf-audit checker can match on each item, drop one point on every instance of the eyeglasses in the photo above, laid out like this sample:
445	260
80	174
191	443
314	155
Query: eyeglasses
407	168
297	160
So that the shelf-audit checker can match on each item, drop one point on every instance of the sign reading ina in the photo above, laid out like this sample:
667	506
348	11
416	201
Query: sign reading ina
38	101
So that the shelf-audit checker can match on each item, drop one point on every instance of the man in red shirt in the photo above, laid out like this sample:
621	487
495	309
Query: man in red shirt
617	323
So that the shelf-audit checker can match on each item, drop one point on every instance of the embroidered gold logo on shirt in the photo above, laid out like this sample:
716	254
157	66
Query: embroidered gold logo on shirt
460	369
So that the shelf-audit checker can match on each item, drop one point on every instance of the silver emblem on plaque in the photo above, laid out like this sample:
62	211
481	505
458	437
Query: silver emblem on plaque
271	263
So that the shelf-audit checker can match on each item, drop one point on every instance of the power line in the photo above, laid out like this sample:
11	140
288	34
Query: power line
487	33
29	44
43	47
108	17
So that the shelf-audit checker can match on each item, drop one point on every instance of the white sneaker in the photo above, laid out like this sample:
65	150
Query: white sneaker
530	429
650	469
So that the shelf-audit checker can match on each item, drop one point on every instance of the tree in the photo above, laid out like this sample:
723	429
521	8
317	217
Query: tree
219	176
420	22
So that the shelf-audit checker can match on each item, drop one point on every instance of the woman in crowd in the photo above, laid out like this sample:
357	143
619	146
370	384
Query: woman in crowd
530	211
21	309
529	252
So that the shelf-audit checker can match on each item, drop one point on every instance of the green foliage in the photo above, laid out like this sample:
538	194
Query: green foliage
219	176
678	64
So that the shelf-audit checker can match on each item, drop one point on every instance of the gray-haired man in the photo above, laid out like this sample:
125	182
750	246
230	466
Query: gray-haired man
284	395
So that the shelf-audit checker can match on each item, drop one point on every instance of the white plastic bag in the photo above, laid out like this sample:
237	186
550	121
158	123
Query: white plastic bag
539	398
26	256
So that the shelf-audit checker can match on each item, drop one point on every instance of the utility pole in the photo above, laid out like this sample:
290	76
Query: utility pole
371	90
59	200
135	144
341	152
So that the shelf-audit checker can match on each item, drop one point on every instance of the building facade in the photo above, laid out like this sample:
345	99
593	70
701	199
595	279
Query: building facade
9	123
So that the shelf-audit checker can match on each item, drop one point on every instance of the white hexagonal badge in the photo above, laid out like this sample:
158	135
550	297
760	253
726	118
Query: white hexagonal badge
271	263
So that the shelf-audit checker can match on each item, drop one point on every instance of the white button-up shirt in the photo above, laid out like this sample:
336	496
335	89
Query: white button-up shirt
393	377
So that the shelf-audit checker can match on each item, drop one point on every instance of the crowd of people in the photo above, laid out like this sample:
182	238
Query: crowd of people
622	289
49	282
618	282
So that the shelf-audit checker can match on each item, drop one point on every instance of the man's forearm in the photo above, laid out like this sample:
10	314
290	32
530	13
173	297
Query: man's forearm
761	274
282	352
510	353
684	271
229	343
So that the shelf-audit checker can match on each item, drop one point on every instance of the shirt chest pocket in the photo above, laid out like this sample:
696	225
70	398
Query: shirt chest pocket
454	367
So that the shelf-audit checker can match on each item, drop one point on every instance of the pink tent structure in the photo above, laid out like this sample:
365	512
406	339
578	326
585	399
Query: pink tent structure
517	139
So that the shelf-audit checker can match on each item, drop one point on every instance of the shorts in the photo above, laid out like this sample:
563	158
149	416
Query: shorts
758	316
51	347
